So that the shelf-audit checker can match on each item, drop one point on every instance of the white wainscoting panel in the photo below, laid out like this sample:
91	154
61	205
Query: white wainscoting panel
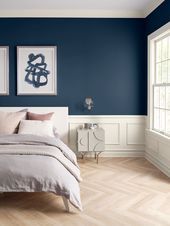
112	133
135	135
157	151
124	135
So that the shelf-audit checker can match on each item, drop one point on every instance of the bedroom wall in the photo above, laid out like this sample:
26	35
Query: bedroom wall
157	148
159	17
102	58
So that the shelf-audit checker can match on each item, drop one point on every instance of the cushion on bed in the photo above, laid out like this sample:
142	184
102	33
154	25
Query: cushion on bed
24	118
36	127
9	121
41	117
24	110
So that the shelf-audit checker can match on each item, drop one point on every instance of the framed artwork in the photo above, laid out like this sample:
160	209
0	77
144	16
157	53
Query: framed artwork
4	70
36	70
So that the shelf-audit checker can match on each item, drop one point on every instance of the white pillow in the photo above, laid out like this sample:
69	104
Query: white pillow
36	127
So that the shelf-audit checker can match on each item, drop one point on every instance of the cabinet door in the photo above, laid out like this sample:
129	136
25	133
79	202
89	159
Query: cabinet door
82	140
96	140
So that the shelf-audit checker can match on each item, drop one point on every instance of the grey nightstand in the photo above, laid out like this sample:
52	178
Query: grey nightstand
91	140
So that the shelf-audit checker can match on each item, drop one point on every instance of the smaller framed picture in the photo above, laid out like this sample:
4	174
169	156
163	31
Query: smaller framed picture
4	70
36	70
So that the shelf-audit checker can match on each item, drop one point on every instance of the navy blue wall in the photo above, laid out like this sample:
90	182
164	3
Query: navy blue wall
158	17
102	58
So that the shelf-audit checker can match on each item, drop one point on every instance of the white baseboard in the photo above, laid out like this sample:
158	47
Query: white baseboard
119	153
159	164
123	153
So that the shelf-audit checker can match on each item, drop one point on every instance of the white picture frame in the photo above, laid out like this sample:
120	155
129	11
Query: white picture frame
4	70
36	70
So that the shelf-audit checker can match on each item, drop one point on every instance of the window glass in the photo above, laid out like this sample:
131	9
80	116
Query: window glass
158	73
168	98
162	97
165	49
158	51
161	86
168	71
164	71
156	119
156	97
162	120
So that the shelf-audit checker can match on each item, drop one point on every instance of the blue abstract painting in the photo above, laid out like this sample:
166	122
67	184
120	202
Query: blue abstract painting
37	74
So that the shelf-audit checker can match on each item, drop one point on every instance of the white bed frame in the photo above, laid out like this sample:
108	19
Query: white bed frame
60	117
60	120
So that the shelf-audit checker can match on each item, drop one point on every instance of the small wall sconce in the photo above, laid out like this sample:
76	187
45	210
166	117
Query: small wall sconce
88	103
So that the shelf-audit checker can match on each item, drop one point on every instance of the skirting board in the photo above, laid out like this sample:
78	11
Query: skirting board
119	153
157	163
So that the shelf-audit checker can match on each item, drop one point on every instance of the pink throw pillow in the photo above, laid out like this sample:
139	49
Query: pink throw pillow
40	117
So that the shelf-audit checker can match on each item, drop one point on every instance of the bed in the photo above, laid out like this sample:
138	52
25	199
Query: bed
33	163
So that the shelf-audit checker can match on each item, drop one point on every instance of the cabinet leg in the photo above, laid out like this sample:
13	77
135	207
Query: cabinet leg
83	155
97	156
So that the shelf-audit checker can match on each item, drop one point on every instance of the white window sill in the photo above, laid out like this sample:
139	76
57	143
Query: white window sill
158	136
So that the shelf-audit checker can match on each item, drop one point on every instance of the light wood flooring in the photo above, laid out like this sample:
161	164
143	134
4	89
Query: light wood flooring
116	192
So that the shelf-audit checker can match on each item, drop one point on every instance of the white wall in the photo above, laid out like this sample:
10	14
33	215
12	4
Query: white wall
157	148
124	135
157	151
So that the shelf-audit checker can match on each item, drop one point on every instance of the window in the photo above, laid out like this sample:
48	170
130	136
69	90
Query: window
159	94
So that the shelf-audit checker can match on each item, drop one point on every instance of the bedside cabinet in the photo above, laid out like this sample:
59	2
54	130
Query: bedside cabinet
91	140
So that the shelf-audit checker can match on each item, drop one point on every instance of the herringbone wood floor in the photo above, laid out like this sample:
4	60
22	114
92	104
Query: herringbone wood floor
116	192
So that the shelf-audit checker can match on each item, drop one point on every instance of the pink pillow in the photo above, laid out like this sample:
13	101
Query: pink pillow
40	117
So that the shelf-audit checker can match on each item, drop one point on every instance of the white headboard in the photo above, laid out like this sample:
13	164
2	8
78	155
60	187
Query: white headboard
60	117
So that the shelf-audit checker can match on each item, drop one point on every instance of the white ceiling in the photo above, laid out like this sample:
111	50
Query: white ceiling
105	8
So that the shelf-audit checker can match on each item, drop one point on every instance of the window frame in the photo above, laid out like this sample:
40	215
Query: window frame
152	38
